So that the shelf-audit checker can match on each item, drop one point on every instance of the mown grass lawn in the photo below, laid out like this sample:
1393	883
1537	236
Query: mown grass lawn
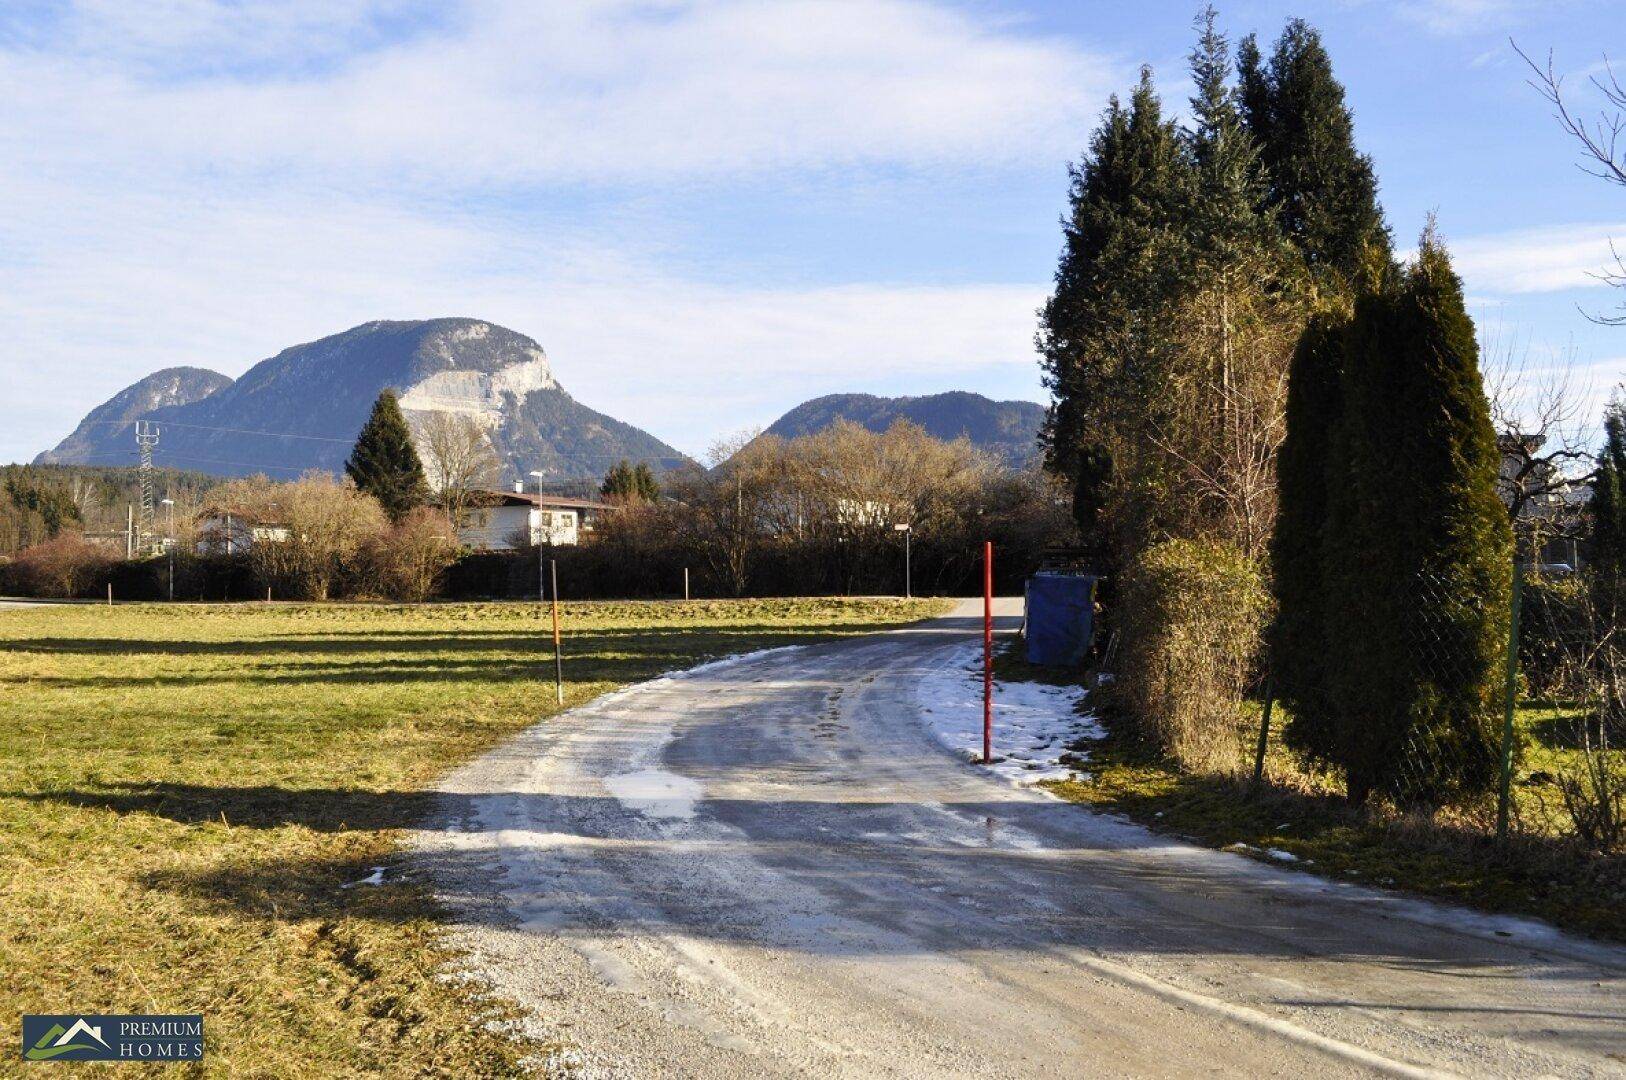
186	790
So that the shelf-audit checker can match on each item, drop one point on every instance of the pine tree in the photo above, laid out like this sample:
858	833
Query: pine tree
631	483
618	482
1123	261
1606	509
1418	550
1238	323
384	463
1225	218
1323	189
644	482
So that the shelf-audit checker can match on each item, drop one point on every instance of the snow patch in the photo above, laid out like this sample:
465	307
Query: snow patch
1035	724
374	878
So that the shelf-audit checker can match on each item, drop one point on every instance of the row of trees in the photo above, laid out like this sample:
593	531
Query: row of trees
311	538
1247	385
811	515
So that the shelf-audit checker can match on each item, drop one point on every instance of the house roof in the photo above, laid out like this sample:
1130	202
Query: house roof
517	498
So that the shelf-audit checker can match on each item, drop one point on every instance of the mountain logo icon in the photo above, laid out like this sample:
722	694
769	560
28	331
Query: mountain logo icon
60	1041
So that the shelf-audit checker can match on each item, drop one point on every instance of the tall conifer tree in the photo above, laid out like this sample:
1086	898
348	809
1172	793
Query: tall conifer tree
1298	637
1323	189
1123	260
384	463
1418	550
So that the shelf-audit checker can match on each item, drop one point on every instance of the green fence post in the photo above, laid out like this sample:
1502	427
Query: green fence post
1511	693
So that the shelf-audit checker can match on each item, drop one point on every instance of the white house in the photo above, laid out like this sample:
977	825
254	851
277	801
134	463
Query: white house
502	520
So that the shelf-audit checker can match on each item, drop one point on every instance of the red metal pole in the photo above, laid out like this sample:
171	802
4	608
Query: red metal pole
987	652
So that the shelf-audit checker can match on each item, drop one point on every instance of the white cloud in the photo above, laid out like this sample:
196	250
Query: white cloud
205	183
511	91
1537	260
1449	17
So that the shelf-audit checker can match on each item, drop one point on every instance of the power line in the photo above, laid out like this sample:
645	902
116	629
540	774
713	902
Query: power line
610	457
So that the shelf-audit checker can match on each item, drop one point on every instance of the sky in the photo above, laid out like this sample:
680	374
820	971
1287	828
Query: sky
705	212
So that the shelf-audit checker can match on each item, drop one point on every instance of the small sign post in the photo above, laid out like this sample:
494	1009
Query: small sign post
987	652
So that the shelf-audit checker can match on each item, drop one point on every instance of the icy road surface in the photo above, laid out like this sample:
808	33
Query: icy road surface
770	867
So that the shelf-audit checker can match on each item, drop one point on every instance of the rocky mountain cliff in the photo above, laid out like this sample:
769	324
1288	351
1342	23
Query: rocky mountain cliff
1007	429
302	408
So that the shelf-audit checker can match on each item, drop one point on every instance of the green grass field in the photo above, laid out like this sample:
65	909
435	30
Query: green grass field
1451	856
185	791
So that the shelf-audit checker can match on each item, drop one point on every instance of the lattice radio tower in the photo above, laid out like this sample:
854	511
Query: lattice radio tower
146	433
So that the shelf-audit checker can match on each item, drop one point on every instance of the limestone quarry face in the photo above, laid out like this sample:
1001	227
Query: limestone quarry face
482	395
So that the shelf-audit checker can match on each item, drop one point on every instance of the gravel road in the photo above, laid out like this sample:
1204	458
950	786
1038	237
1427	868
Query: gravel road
766	868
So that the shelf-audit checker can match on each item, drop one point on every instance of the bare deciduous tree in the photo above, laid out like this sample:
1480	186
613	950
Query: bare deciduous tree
408	558
302	534
458	460
1601	141
1541	430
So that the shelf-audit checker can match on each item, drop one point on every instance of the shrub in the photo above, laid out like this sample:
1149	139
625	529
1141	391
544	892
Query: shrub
1192	615
66	566
406	561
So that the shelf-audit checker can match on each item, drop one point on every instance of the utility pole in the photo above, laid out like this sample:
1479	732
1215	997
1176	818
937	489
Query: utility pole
129	530
146	435
169	547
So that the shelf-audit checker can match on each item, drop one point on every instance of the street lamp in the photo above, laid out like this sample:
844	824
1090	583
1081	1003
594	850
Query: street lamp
541	592
169	545
541	564
908	534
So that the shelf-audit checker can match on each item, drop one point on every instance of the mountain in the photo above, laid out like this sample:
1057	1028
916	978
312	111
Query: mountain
302	408
113	421
1007	429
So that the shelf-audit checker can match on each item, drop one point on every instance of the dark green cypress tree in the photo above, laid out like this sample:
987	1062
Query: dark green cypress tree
618	482
1606	509
1418	550
1298	637
384	463
644	482
626	481
1123	259
1321	187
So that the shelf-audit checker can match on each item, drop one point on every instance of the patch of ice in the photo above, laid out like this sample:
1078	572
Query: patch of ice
1281	856
1035	724
656	793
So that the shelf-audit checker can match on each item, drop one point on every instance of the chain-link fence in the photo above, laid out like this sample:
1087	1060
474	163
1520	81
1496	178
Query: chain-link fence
1507	721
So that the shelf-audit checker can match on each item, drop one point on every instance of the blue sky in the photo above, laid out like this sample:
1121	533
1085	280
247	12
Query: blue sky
705	212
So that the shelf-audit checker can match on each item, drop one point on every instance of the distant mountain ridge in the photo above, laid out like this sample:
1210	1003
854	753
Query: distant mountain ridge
1007	429
114	419
301	409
